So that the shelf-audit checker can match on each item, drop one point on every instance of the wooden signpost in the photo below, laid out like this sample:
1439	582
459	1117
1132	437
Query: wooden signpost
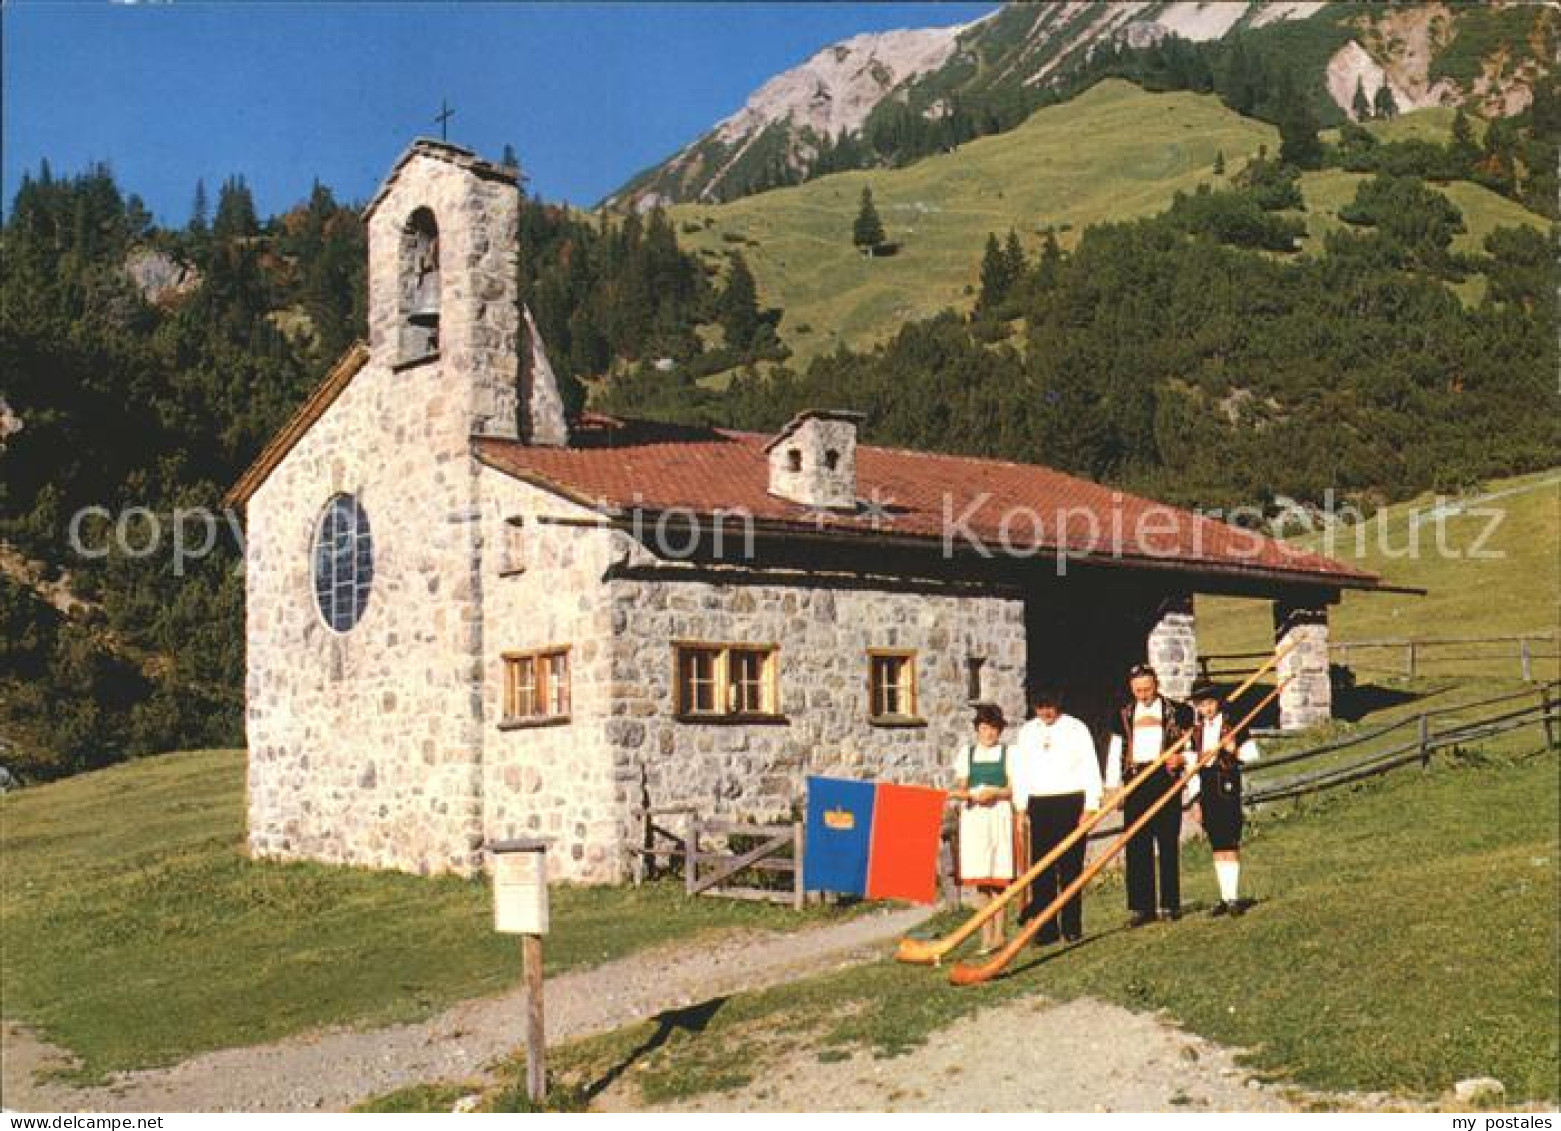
520	908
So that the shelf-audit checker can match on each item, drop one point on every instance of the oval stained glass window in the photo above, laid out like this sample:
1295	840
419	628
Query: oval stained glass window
343	562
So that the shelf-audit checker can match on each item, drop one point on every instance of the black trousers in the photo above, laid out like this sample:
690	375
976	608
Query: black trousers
1051	819
1162	833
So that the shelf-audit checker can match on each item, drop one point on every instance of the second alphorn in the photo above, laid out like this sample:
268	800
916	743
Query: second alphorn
967	974
929	952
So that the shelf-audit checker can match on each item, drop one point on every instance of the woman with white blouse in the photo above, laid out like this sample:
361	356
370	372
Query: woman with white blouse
986	817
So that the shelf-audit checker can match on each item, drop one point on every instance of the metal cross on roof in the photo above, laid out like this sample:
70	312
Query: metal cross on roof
443	118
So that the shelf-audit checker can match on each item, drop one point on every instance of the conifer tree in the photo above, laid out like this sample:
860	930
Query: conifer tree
1298	141
739	306
1384	105
236	217
997	277
1049	268
867	233
1358	105
1465	151
1013	250
200	210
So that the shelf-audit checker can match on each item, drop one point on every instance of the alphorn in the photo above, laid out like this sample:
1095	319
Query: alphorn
969	974
929	952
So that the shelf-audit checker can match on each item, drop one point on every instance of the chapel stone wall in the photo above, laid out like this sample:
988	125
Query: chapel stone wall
824	632
365	746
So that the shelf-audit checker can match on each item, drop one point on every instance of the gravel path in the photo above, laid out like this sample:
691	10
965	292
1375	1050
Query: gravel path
337	1068
1026	1055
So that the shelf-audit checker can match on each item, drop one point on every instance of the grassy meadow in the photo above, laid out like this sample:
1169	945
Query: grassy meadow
1404	938
1489	568
1115	152
137	933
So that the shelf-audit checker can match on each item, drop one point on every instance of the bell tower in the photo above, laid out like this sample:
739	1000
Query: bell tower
443	291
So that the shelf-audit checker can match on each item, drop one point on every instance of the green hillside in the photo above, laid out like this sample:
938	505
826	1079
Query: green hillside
1329	190
1116	152
1515	589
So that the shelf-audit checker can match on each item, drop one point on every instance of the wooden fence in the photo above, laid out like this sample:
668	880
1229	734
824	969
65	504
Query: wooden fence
765	851
1421	736
1525	647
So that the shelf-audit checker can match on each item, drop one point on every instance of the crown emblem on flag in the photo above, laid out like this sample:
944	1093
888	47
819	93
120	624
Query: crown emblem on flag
839	819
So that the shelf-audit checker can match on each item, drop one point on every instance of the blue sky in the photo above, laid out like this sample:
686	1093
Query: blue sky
285	92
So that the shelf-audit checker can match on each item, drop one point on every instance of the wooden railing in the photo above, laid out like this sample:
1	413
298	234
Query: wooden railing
1525	647
1428	735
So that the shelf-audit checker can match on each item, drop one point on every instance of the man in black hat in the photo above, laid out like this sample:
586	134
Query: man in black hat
1218	788
1146	727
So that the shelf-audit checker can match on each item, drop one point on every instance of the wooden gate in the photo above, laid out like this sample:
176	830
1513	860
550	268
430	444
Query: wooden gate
759	851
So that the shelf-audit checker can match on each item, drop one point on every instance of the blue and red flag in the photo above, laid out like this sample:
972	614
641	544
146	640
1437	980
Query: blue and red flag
876	840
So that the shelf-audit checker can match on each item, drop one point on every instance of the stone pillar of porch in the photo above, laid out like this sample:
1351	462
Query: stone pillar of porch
1308	698
1172	645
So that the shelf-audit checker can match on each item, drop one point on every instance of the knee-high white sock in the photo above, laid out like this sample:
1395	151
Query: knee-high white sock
1228	872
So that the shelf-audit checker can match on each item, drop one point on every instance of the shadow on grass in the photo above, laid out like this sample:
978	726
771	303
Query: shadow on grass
1037	960
1353	704
689	1019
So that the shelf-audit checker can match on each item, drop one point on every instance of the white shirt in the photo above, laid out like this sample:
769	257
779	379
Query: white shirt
1148	740
1209	738
1055	759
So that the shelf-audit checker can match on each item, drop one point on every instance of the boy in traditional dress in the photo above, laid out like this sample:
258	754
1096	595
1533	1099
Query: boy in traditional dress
1056	783
986	818
1218	789
1149	725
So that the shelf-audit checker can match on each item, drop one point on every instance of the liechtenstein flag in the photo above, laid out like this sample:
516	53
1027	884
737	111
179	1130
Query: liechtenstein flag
876	840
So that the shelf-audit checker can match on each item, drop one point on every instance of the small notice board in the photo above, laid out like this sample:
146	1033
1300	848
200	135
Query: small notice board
520	887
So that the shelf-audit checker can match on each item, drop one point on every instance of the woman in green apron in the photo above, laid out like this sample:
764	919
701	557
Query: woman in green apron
986	818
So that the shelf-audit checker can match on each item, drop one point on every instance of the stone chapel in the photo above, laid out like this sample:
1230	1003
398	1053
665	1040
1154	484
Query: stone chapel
469	618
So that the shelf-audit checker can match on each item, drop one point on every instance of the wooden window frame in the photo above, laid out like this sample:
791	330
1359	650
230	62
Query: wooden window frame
910	718
727	682
544	684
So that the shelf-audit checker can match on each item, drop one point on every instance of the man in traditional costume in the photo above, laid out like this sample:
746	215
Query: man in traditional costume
1146	727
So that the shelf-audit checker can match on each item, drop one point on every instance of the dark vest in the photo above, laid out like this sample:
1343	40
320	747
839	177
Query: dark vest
1176	717
1221	777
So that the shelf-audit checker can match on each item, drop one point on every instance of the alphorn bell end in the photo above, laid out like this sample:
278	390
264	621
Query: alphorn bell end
918	952
964	974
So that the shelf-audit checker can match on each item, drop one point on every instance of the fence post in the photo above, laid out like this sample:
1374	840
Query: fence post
691	855
1425	742
1409	659
1523	659
799	893
1549	715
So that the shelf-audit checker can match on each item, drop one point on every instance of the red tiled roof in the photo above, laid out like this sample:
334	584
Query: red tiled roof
619	466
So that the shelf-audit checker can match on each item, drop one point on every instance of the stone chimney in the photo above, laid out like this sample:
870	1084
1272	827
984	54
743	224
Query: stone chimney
813	460
541	407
